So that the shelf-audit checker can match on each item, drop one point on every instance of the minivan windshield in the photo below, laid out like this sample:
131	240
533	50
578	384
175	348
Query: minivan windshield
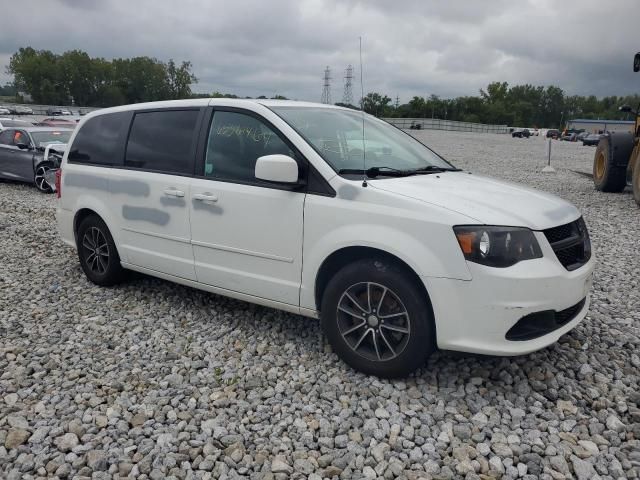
336	134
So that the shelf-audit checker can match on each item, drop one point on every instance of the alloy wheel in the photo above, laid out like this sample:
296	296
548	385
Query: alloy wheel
373	321
96	250
40	180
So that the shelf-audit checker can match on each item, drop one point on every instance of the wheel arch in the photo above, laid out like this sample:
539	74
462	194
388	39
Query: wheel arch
341	257
83	213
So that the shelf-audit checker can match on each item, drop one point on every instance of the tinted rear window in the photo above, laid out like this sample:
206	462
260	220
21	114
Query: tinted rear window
100	140
163	141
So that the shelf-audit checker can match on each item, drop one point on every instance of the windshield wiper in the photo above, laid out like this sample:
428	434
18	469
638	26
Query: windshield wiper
395	172
433	168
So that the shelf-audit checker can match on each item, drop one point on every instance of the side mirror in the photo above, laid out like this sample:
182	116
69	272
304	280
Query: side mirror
22	146
625	108
277	168
636	62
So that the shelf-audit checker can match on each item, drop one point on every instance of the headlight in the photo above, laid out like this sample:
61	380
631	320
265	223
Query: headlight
497	246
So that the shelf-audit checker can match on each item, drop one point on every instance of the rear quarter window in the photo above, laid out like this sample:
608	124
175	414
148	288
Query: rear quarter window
100	141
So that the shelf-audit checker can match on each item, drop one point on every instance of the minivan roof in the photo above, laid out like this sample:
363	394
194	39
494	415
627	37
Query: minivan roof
202	102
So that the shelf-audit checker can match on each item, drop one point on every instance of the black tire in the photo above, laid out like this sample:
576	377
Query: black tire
608	176
406	339
39	179
97	253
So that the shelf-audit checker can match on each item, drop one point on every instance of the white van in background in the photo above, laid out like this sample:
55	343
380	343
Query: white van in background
286	205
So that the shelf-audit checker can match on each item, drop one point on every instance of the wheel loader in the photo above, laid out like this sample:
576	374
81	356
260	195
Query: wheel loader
617	160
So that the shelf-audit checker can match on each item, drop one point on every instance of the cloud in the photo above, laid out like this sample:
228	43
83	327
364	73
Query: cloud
413	47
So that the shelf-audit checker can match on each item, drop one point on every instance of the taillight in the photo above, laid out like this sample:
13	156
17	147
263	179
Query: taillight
59	182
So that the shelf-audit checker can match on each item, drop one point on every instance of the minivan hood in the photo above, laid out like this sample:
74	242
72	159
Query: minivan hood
489	201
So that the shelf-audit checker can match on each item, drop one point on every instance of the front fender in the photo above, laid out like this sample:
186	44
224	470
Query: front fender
429	248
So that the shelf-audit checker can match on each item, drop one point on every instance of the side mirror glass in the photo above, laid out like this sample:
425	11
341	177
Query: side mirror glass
22	146
636	62
277	168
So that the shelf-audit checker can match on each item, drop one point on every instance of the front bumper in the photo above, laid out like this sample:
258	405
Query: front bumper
475	316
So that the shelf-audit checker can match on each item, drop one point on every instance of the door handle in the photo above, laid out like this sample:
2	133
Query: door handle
174	193
205	197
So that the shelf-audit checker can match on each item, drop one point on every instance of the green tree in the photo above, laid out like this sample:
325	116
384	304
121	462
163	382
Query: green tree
76	77
376	104
179	79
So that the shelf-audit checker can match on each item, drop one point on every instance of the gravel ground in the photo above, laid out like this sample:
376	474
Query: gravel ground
155	380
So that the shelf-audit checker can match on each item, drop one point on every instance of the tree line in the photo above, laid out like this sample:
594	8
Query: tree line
75	77
501	104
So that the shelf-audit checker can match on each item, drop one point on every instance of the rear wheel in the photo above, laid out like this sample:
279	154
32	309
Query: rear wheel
39	178
377	319
607	176
97	252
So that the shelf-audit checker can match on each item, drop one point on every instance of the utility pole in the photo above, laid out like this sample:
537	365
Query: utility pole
326	86
347	98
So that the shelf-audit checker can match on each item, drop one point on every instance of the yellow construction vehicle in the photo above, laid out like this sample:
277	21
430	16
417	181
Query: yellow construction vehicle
617	160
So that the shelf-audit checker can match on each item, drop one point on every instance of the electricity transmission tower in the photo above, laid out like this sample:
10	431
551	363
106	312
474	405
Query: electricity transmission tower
347	98
326	87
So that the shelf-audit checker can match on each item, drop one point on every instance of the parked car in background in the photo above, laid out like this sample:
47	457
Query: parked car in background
569	137
235	196
592	139
57	111
581	136
534	132
553	133
521	133
57	122
22	110
5	111
10	122
28	153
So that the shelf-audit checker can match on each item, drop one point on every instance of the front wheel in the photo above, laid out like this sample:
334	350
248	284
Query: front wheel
39	178
377	319
608	176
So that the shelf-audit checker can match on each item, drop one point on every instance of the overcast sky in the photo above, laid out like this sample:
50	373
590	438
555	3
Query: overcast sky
410	47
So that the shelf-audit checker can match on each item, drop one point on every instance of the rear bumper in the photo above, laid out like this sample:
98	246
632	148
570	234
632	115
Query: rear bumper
64	219
475	316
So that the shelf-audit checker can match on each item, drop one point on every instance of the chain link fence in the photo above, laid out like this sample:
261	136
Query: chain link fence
45	109
438	124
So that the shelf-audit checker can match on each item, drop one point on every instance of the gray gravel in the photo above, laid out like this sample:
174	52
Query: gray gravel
154	380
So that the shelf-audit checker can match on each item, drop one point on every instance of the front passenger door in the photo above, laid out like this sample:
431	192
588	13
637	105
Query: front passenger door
246	233
15	163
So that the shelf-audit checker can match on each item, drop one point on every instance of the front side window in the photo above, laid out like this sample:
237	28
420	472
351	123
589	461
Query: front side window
21	138
163	141
236	141
337	135
99	140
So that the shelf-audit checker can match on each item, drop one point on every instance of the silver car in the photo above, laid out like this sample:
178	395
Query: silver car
28	153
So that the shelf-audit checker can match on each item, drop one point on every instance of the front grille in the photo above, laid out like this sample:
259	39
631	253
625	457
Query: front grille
538	324
570	243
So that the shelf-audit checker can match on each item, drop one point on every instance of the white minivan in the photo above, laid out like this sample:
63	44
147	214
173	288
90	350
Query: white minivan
288	205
